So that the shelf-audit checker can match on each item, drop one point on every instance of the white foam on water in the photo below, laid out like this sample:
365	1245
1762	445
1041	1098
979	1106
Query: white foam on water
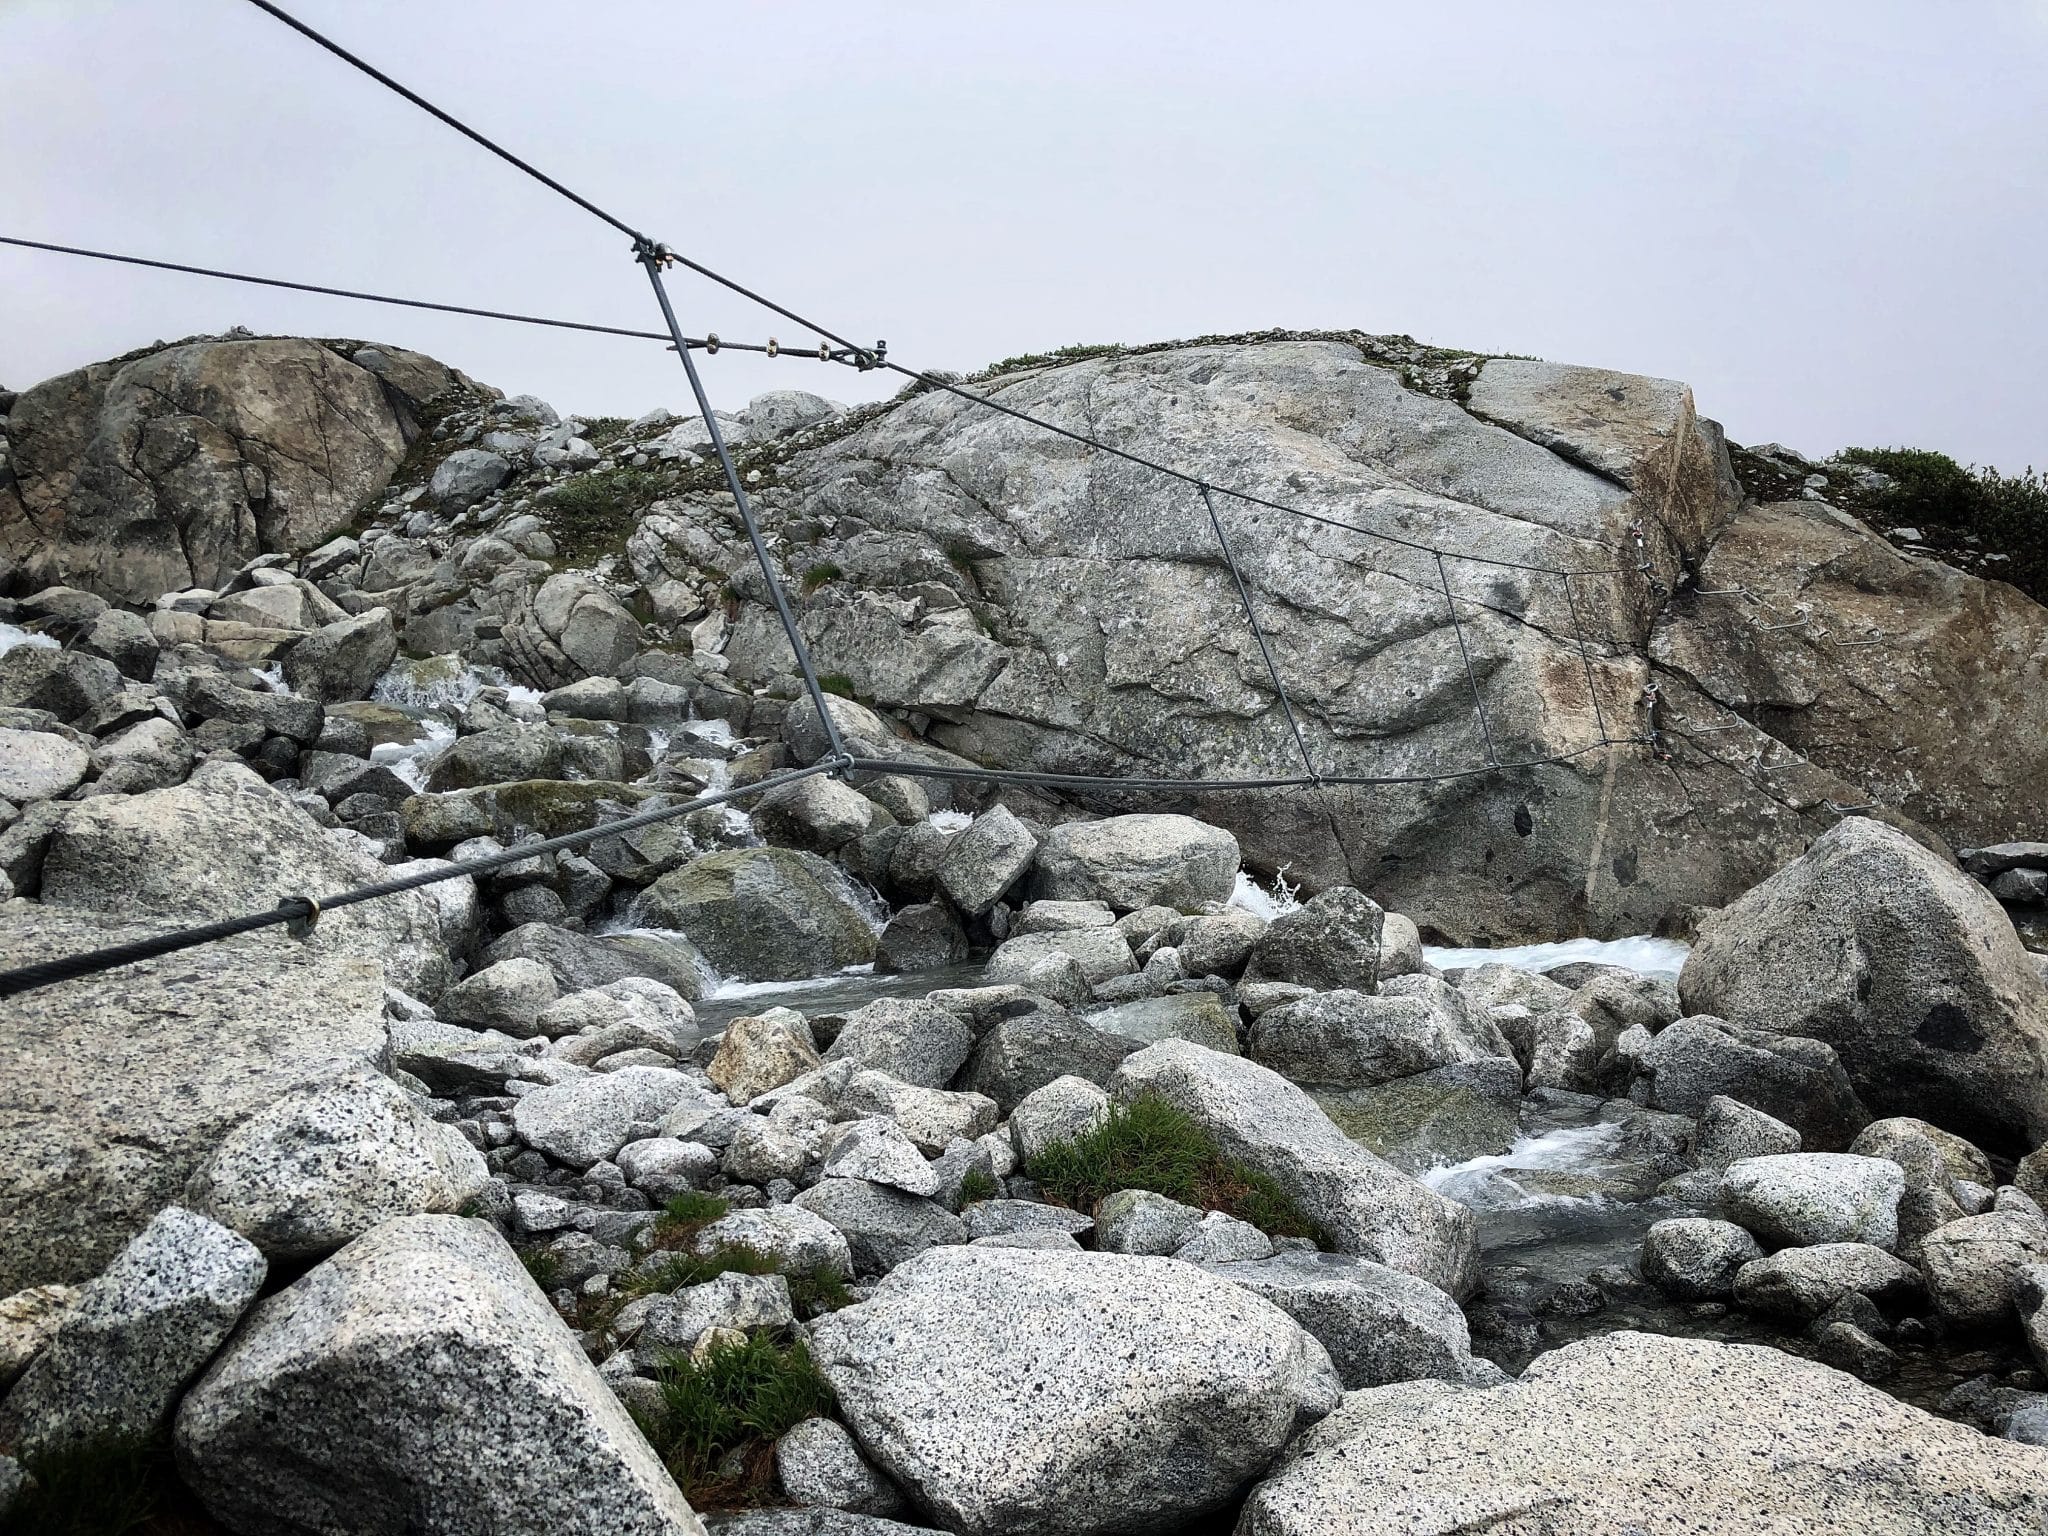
727	991
1490	1181
272	677
409	759
1642	954
951	821
12	635
1260	902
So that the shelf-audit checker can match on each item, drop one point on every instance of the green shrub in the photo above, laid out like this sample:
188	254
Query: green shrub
837	683
1149	1144
2006	514
544	1267
720	1418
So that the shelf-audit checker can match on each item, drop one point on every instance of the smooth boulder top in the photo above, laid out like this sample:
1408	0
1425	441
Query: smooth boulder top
1903	964
1635	1432
1026	1390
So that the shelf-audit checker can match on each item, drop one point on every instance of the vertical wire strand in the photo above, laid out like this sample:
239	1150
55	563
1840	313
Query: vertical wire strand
1471	676
1251	616
652	262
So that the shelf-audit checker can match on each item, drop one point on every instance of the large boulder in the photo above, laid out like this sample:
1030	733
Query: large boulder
1637	1432
1796	1199
340	661
1352	1040
224	844
1903	964
766	914
1362	1205
418	1381
176	468
120	1085
1009	1390
1331	943
910	1039
1137	861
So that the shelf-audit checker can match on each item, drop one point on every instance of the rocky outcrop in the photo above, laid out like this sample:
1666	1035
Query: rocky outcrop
1636	1432
175	468
1954	659
1903	964
120	1085
1106	635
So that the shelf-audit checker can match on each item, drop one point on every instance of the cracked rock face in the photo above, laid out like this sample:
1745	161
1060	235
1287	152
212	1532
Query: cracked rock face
176	468
1053	609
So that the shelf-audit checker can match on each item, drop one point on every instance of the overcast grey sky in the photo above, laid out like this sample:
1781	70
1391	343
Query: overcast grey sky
1829	216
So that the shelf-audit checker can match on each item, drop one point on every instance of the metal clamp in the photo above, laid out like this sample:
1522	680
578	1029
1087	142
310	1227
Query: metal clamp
301	927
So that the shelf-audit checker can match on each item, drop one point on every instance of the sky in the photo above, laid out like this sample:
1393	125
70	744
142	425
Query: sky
1830	217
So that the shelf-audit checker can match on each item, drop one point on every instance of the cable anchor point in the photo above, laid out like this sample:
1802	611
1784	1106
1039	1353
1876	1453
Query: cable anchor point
301	927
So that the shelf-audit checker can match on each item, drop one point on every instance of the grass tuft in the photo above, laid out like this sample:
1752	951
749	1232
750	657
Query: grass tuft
109	1489
836	683
978	1184
1149	1144
720	1418
821	573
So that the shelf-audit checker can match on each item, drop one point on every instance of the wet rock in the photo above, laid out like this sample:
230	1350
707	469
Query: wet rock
1807	1282
1974	1266
923	937
1009	1390
1695	1259
500	755
1099	953
1796	1080
819	815
981	864
1350	1040
1729	1131
766	914
582	961
1331	943
417	1381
